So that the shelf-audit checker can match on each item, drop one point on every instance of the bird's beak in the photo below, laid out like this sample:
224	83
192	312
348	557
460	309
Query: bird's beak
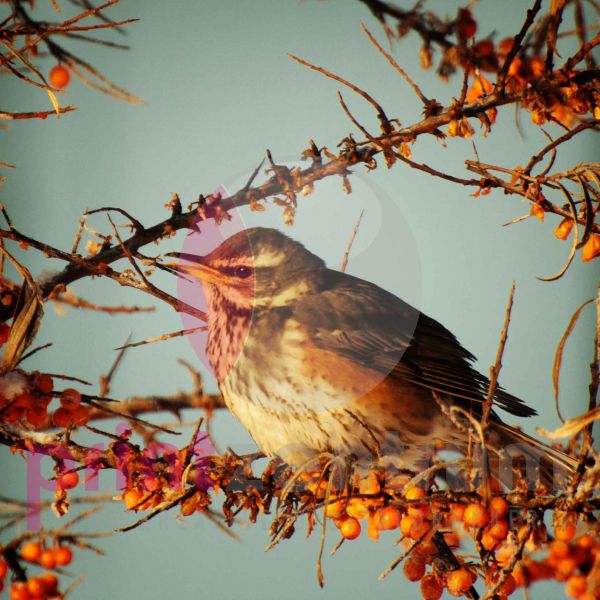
197	268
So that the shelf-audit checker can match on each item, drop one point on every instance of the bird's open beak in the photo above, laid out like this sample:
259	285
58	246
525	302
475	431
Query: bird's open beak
197	268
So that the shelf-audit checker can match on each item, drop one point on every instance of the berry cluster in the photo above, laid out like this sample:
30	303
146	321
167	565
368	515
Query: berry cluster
45	585
25	400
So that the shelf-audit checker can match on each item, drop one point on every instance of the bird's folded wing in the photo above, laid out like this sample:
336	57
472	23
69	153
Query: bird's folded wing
376	329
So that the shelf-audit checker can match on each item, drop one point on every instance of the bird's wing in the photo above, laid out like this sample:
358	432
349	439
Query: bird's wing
380	331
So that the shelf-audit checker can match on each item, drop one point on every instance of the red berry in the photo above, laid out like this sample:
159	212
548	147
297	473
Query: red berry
43	383
31	551
70	398
67	481
47	559
59	76
63	556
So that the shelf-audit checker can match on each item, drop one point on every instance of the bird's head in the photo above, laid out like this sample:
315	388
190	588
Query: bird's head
255	268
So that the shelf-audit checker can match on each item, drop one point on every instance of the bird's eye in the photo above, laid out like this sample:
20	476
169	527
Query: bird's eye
243	272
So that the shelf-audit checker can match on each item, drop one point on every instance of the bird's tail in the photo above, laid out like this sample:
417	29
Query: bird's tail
516	451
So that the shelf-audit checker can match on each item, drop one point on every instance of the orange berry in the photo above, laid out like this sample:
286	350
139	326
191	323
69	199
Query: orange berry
565	567
70	398
389	518
591	248
3	568
509	586
459	582
350	528
415	493
132	498
50	581
18	591
35	587
565	532
431	587
59	76
62	555
489	542
576	586
499	529
31	551
414	569
334	510
564	229
67	481
498	508
559	549
406	524
47	559
475	515
419	528
586	541
43	383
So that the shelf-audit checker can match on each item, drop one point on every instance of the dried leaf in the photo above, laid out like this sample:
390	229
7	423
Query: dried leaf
28	312
573	426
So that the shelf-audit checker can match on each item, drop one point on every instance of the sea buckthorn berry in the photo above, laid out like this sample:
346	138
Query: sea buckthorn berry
508	586
43	383
62	417
31	551
414	569
499	529
4	333
67	481
458	511
484	48
565	531
419	528
406	524
334	510
132	498
62	555
576	586
565	567
70	398
475	515
459	582
350	528
50	581
47	559
431	587
59	76
489	542
35	587
586	541
559	549
591	248
498	508
452	539
415	493
3	568
80	415
564	229
18	591
389	518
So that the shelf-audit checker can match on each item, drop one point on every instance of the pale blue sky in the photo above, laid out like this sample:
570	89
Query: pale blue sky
220	89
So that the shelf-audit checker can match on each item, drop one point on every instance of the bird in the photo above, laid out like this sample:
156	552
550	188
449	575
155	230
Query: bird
315	361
